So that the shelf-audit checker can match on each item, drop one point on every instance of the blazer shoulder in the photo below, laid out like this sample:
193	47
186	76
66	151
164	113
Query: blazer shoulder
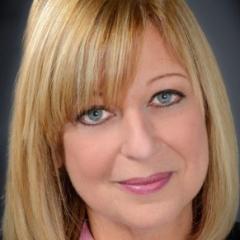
235	232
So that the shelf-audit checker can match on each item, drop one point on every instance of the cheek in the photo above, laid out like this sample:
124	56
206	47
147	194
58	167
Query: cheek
189	135
87	157
194	149
186	135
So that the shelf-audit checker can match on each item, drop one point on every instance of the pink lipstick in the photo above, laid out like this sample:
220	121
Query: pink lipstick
146	185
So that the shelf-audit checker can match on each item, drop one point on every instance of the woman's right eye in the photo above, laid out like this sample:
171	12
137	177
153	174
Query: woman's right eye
94	116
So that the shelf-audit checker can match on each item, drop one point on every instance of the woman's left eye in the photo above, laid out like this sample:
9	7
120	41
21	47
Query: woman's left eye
166	98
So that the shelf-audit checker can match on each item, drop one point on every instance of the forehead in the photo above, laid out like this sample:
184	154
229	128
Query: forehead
156	55
155	58
149	56
155	61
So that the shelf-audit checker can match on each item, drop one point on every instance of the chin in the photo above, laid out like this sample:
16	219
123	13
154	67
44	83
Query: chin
151	218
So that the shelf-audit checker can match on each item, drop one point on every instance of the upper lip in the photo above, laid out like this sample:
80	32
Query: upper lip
147	180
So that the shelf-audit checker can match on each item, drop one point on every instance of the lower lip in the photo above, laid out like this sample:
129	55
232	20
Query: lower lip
146	188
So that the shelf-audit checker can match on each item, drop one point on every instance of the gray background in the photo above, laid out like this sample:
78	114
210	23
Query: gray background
220	20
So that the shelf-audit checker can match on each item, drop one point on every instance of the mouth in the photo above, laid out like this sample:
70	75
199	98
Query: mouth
146	185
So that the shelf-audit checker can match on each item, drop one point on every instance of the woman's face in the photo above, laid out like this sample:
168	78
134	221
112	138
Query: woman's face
160	129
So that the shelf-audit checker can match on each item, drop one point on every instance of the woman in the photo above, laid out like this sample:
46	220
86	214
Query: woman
121	127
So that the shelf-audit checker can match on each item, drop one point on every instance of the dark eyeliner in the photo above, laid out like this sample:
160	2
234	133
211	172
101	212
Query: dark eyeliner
172	91
94	107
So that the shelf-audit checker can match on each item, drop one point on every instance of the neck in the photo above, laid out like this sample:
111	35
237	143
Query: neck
178	229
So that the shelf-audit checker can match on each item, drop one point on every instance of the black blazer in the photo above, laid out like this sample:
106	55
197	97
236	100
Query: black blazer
235	233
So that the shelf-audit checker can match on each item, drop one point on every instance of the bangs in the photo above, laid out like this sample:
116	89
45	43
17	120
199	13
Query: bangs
110	55
98	56
92	51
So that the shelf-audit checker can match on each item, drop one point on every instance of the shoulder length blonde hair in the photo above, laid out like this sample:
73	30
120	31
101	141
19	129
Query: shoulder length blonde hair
69	44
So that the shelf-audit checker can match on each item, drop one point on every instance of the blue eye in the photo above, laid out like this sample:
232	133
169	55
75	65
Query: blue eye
99	114
94	116
166	98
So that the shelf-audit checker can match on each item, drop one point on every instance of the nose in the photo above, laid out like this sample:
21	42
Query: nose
139	142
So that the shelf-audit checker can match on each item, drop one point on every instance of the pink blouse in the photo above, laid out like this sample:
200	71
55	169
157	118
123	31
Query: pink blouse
85	234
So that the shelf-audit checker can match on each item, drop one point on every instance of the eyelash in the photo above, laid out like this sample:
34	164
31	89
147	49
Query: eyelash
172	92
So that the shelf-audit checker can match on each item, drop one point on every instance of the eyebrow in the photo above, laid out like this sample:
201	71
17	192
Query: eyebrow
99	94
166	75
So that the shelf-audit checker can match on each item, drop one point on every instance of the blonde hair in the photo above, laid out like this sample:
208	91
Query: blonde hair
75	48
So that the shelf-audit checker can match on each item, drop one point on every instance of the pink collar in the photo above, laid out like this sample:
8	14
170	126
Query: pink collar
85	233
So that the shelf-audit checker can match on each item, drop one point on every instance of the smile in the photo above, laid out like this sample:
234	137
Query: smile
146	185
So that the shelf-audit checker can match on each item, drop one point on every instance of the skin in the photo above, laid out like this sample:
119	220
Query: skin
141	139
